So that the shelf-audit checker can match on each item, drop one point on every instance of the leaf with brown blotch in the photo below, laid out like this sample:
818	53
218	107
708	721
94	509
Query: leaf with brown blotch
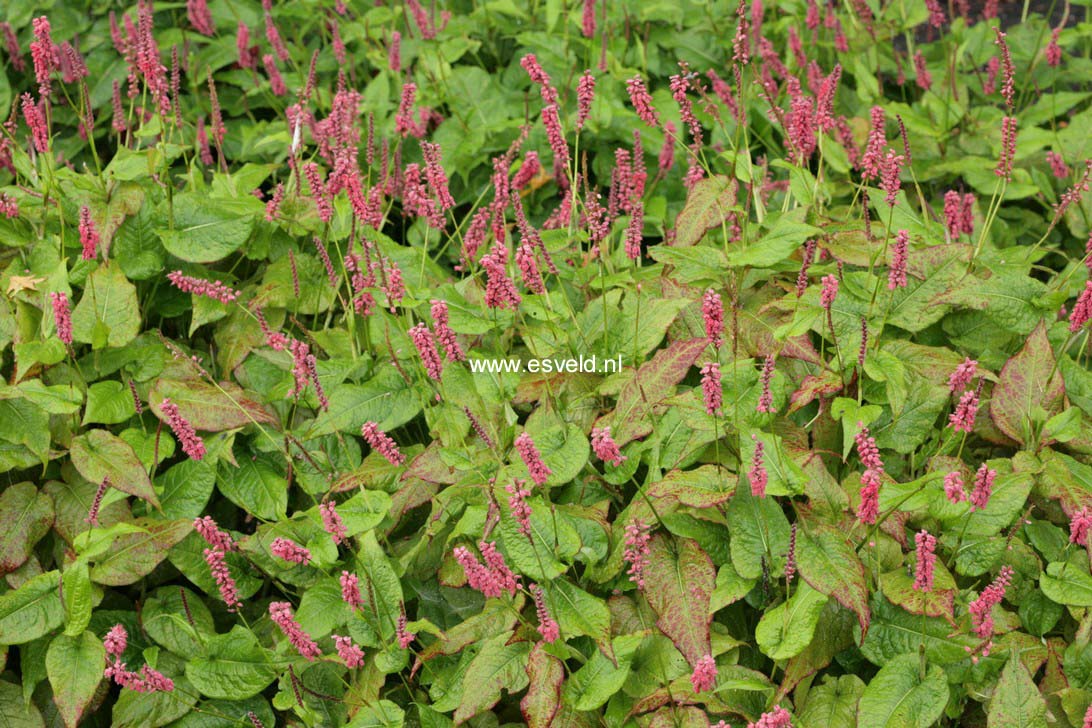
207	407
543	698
653	382
829	564
26	515
679	584
99	454
1022	386
708	205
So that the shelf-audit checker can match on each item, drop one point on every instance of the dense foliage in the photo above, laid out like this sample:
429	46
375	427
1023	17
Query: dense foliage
297	425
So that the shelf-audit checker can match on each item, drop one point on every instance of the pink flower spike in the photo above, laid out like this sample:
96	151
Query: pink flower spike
547	626
350	590
425	341
1057	165
382	443
192	445
776	718
704	676
229	592
405	638
116	640
757	475
517	503
1082	309
332	523
962	420
953	487
349	653
532	458
981	608
62	317
89	236
926	561
605	448
983	487
290	551
711	388
444	332
896	276
636	554
829	292
642	101
281	614
214	536
867	450
200	287
869	507
962	376
1053	50
712	312
1079	525
765	400
585	93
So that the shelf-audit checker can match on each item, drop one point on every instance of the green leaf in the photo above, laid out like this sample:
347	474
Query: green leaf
788	628
56	399
78	598
679	582
74	665
898	697
1016	702
1067	584
176	624
234	666
577	612
833	703
784	238
25	423
14	711
760	533
207	230
256	486
381	714
598	679
25	516
98	454
1028	381
322	609
108	313
386	400
831	566
32	610
497	666
108	402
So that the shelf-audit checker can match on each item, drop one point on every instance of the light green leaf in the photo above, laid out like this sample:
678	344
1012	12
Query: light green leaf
788	628
32	610
108	313
233	667
899	698
207	230
74	665
1016	702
